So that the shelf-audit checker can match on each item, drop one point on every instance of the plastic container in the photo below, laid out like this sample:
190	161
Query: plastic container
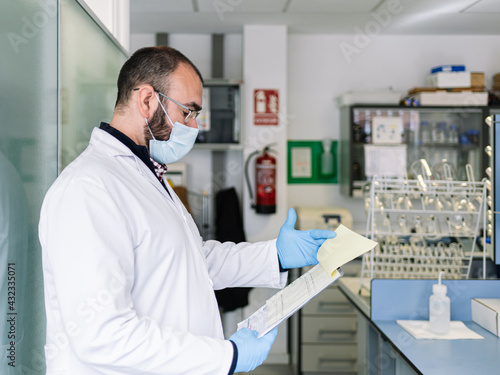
439	309
448	68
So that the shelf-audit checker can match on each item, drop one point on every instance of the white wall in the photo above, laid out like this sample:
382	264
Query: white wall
265	67
198	48
141	40
318	72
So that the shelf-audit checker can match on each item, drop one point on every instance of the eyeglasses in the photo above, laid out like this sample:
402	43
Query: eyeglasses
192	114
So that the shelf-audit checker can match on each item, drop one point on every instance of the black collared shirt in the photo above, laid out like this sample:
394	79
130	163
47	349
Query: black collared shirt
140	151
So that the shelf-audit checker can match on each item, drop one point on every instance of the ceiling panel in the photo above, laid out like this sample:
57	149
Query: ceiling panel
229	6
425	15
333	6
485	6
409	17
456	24
160	6
432	7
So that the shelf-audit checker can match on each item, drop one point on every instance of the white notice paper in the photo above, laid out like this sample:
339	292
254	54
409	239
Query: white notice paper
301	162
387	129
334	253
388	161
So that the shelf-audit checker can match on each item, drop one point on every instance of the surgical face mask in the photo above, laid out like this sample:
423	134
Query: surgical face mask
181	141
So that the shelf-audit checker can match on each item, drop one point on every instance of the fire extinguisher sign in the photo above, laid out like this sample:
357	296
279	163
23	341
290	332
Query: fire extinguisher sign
265	107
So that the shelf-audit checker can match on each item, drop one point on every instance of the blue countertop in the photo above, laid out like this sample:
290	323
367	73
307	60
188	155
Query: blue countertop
433	357
392	299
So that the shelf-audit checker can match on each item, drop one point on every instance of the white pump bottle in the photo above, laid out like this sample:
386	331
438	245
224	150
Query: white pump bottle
327	158
439	309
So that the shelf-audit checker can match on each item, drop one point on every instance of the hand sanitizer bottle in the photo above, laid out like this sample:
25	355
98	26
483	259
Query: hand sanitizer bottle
439	309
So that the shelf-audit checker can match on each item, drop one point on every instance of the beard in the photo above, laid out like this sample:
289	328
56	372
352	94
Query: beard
159	126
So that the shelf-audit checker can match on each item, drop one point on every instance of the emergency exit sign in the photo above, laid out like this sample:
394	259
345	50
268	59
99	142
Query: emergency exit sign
266	107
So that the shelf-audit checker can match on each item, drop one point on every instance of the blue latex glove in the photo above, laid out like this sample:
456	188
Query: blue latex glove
299	248
251	350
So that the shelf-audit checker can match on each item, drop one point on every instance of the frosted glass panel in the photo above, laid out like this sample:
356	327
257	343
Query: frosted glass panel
90	63
28	165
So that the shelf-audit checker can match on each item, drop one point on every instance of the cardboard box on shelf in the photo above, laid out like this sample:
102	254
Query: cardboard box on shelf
486	313
457	96
477	79
449	79
496	82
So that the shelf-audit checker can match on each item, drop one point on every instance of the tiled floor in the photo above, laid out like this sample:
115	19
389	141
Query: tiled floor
272	370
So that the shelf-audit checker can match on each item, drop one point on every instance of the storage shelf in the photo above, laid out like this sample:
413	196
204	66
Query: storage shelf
218	146
434	212
357	131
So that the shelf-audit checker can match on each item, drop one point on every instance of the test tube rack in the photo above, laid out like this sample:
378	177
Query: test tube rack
422	227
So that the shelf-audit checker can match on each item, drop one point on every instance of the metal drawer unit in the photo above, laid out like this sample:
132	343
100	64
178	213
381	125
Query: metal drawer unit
328	332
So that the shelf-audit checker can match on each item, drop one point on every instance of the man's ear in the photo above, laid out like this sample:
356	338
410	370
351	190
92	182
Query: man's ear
147	103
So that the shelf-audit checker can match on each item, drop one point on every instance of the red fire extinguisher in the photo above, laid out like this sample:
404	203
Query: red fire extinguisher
265	181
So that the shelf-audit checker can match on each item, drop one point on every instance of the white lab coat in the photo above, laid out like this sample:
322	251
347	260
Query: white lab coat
129	283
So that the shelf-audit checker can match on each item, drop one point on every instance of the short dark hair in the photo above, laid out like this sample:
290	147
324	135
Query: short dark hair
149	65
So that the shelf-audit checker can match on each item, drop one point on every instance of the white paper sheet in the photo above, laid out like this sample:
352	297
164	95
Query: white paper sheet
420	329
288	300
334	253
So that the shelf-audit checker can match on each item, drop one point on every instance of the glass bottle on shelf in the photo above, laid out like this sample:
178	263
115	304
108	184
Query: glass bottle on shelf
474	137
368	127
471	136
439	132
453	135
358	133
403	133
443	132
414	136
434	132
425	132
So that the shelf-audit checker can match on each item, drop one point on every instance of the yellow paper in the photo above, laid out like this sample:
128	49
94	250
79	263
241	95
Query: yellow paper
347	245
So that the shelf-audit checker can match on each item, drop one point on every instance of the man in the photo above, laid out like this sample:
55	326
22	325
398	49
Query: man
129	283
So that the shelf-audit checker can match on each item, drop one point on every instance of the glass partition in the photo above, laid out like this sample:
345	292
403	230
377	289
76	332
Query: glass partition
90	63
28	165
33	149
